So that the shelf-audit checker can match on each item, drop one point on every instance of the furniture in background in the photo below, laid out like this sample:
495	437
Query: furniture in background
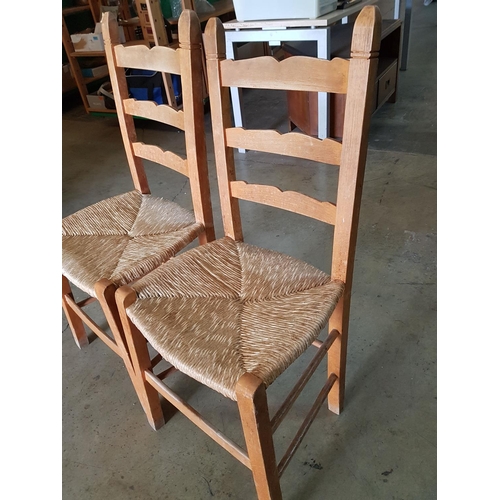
406	29
84	47
154	29
154	32
234	316
90	14
303	106
276	32
223	9
119	239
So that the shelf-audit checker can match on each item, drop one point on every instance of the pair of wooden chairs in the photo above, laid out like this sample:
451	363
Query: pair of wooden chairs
231	315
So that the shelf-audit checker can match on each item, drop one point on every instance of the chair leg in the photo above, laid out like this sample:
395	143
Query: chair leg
105	291
252	404
337	355
141	362
75	323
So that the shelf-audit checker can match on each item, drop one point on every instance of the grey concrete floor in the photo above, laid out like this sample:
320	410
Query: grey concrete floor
383	446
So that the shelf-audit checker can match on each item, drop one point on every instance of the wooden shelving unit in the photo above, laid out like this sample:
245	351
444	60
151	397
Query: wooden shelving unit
82	83
75	57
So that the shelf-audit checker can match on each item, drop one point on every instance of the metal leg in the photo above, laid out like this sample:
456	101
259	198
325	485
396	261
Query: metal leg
323	97
397	7
406	34
275	36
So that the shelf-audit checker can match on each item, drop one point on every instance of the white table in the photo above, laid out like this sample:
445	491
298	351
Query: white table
275	32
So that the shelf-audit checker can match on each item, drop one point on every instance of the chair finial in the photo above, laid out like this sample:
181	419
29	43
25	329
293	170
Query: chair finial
189	29
215	42
367	33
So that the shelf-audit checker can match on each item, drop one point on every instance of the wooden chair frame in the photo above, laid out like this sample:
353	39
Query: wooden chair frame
187	62
356	78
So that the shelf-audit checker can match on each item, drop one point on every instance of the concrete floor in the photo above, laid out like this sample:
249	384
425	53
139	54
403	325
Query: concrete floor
383	446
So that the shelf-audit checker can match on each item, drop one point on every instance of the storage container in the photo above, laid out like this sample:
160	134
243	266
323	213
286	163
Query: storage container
97	72
92	41
258	10
96	101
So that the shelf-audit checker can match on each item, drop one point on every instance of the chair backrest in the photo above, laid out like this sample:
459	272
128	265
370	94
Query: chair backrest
185	61
354	77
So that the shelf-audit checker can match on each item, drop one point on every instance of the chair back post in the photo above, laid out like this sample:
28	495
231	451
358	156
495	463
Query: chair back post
119	81
220	108
190	50
362	74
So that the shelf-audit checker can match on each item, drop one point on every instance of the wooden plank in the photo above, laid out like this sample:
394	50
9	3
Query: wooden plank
140	360
363	70
165	373
301	383
190	56
158	155
75	323
74	10
306	424
197	419
297	73
86	302
286	200
220	110
254	413
152	111
88	53
162	59
95	327
291	144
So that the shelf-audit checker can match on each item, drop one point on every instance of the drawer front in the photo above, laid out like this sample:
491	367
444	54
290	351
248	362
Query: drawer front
387	84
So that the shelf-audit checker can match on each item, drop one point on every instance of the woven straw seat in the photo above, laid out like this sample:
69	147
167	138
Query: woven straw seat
122	238
229	308
118	240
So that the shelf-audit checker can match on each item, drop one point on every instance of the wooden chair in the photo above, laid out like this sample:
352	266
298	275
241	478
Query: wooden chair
234	316
118	240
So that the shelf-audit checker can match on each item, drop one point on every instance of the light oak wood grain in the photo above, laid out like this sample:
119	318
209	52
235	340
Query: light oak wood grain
163	59
286	200
152	111
289	144
297	73
166	158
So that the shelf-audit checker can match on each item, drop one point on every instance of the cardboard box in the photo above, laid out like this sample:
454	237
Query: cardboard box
90	41
96	101
98	72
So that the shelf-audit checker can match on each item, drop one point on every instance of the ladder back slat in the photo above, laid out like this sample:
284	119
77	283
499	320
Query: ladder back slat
152	111
164	59
166	158
291	144
297	73
286	200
